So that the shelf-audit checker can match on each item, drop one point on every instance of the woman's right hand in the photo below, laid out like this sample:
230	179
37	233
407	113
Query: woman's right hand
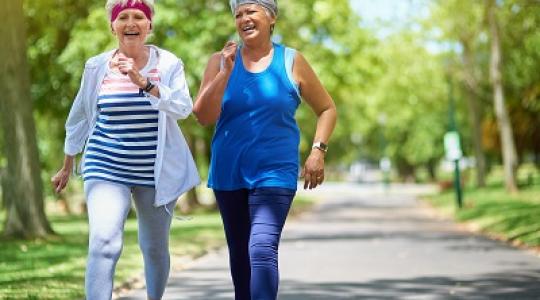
228	54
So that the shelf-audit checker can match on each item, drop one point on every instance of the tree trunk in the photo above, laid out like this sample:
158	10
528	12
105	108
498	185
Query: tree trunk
503	120
431	167
406	171
22	190
475	113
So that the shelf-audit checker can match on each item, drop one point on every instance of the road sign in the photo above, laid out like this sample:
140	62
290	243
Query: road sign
452	146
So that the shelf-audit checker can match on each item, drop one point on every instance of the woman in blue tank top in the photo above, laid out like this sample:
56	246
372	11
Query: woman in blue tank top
252	91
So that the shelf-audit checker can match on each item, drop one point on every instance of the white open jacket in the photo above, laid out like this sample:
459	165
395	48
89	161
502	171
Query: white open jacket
174	171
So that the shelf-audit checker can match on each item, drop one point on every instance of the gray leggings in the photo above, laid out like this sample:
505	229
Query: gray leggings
108	205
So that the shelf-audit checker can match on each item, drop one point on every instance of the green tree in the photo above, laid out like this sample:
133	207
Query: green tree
344	56
52	88
521	56
411	93
465	29
21	184
505	127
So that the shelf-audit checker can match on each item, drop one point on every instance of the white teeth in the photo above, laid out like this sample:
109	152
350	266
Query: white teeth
249	27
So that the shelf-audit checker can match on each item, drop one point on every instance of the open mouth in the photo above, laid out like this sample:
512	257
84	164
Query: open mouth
248	28
131	33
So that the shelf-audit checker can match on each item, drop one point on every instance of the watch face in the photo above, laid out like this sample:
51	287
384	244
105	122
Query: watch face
320	145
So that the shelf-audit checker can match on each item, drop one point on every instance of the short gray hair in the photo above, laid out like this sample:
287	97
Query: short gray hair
269	5
112	3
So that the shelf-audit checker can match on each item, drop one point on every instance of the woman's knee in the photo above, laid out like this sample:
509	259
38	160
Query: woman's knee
263	248
105	247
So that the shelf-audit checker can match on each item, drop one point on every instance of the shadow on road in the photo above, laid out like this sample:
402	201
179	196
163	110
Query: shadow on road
377	247
522	285
509	285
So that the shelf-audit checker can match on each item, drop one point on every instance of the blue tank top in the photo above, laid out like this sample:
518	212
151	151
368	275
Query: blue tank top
256	138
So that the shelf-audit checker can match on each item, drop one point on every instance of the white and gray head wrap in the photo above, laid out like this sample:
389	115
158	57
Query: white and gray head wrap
270	5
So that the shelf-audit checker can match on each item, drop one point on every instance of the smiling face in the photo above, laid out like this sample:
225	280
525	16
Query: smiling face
131	27
253	22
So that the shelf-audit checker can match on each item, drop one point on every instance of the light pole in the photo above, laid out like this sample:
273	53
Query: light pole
452	144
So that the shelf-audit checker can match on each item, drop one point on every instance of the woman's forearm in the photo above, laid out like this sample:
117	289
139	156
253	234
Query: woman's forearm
326	122
207	108
68	162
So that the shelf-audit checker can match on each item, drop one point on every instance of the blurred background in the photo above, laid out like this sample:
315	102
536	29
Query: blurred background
403	73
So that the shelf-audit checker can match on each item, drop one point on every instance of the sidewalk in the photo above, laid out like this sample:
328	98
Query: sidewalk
363	243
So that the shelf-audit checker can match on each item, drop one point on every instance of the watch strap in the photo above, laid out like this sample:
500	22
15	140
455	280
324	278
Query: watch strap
149	86
321	146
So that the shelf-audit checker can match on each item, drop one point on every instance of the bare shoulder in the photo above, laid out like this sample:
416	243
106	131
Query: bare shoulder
215	59
302	71
212	67
300	60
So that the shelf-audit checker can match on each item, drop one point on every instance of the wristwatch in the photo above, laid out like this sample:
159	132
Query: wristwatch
321	146
149	86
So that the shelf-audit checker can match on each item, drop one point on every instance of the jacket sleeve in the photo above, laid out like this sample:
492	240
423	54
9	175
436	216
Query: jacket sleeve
174	98
77	123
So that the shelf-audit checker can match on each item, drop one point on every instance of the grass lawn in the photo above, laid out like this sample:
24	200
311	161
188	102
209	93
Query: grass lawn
512	217
54	268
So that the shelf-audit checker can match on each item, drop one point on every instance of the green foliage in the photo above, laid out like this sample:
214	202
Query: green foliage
54	269
390	92
521	42
519	20
49	30
343	56
409	103
492	210
194	30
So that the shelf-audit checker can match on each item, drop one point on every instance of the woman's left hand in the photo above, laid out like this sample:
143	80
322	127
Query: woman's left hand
313	171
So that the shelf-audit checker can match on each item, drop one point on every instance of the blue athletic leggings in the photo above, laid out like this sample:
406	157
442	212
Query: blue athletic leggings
253	221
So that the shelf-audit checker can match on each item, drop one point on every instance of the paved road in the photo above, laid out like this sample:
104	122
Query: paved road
365	243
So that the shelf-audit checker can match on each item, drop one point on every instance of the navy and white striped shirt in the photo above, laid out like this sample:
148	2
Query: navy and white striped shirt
122	148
